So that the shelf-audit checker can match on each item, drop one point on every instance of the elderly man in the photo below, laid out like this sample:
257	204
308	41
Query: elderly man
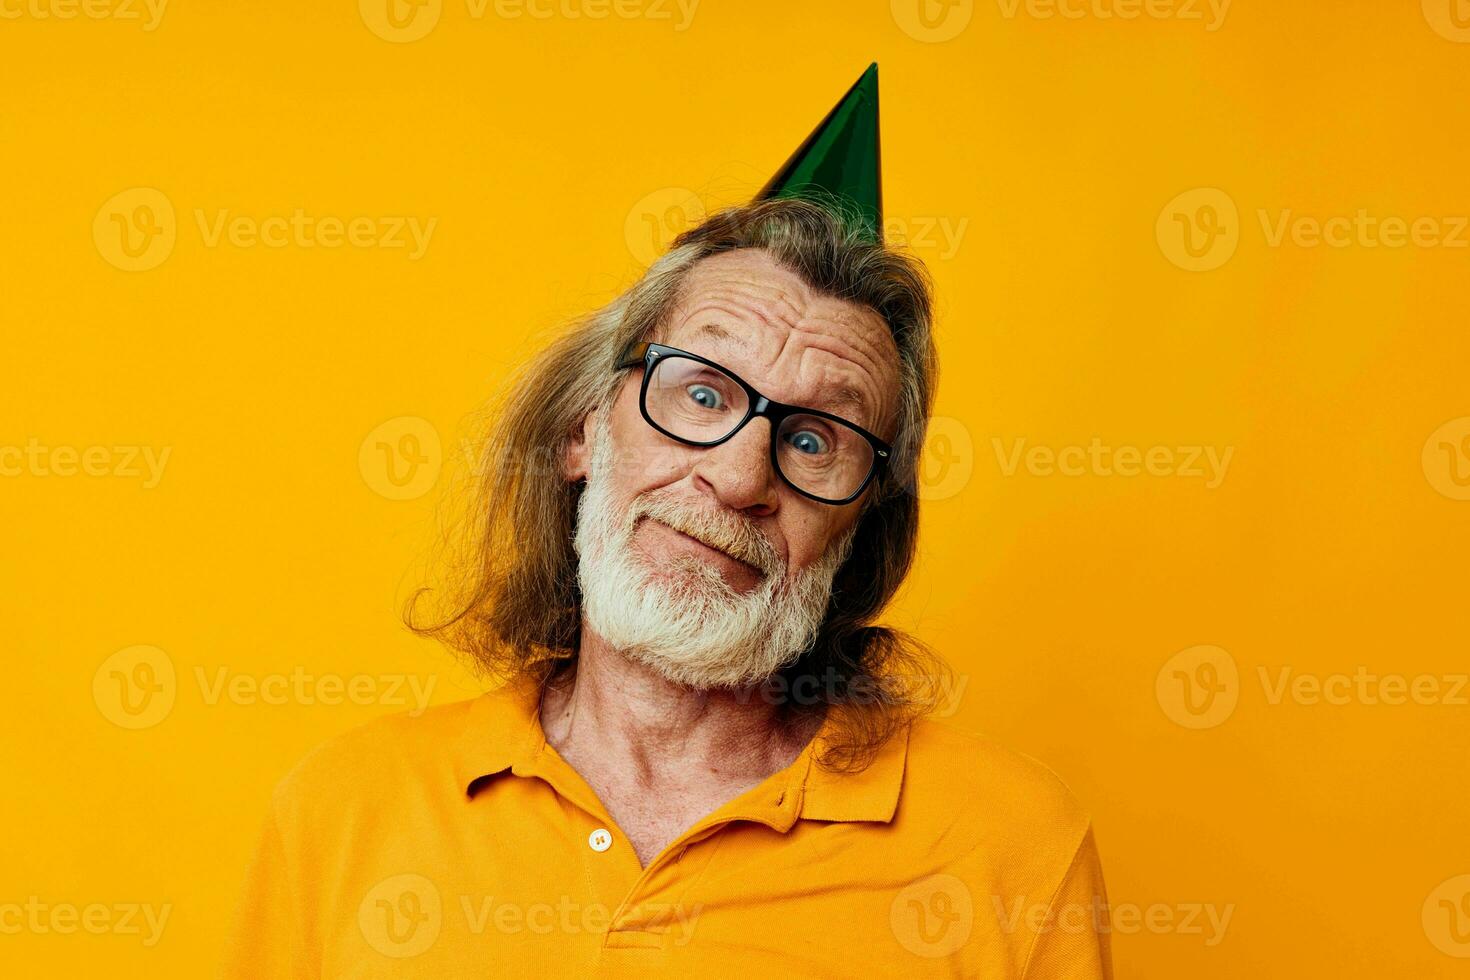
702	756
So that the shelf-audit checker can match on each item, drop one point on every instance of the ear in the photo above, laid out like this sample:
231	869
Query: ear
577	458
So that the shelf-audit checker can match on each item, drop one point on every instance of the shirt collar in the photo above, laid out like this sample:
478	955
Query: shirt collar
502	732
869	794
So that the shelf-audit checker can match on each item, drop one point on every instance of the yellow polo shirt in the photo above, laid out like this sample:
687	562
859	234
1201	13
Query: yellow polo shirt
460	844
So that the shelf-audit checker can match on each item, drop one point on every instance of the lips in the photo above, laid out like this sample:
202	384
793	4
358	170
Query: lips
706	545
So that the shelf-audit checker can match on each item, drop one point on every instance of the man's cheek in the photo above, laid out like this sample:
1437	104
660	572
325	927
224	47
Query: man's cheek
622	468
648	467
804	546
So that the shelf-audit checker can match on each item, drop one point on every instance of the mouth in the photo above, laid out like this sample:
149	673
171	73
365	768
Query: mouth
708	550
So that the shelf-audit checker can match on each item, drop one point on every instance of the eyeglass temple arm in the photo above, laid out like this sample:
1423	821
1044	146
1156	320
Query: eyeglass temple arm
636	355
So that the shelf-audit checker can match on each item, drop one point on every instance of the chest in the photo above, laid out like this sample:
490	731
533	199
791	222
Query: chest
653	815
513	882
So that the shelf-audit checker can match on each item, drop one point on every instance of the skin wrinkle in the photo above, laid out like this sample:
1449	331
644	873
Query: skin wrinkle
733	302
749	285
846	400
871	364
843	318
772	304
844	394
861	335
737	473
790	325
789	318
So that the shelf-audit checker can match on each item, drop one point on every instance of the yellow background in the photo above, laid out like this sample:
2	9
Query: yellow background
551	153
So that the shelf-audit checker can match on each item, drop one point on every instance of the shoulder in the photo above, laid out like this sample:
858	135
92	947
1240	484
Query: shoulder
983	791
387	757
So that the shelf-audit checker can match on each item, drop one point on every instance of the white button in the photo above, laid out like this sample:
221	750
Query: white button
599	840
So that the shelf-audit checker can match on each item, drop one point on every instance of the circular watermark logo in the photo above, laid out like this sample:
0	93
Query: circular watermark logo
1446	458
932	21
1446	916
401	916
135	687
1198	687
1199	229
400	21
135	229
1448	18
400	459
658	218
933	916
948	459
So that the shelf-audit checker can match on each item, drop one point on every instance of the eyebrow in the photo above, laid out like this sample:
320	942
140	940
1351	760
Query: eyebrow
846	396
720	333
849	397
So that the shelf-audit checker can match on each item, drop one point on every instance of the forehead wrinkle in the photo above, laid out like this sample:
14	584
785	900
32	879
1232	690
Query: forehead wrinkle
846	395
751	345
846	334
788	301
853	334
772	310
847	376
770	300
713	330
847	402
857	347
847	391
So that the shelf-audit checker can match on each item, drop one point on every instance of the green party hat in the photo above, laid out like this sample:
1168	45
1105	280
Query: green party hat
840	158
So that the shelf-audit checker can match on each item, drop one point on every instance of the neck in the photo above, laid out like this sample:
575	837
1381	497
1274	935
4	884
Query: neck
627	715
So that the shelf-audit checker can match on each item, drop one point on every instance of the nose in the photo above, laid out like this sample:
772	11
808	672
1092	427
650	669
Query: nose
738	471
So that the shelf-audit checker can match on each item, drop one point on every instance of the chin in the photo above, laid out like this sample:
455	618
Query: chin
689	578
702	673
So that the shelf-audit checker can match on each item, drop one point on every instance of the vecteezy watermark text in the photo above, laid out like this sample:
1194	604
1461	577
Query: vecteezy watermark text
300	687
38	917
148	12
137	687
1209	12
406	21
303	230
1098	459
1160	918
402	916
1199	687
125	462
136	230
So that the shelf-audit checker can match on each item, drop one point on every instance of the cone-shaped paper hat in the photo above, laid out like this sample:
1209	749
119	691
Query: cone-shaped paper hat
840	157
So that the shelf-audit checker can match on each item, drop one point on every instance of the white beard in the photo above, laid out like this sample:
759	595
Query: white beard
691	626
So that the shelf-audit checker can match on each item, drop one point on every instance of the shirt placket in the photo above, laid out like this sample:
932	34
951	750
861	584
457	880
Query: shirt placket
641	908
662	904
609	865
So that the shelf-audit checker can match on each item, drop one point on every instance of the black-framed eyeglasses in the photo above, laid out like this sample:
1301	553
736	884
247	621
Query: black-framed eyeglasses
692	399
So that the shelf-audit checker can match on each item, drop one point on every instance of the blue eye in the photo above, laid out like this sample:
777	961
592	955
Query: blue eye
807	441
705	396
